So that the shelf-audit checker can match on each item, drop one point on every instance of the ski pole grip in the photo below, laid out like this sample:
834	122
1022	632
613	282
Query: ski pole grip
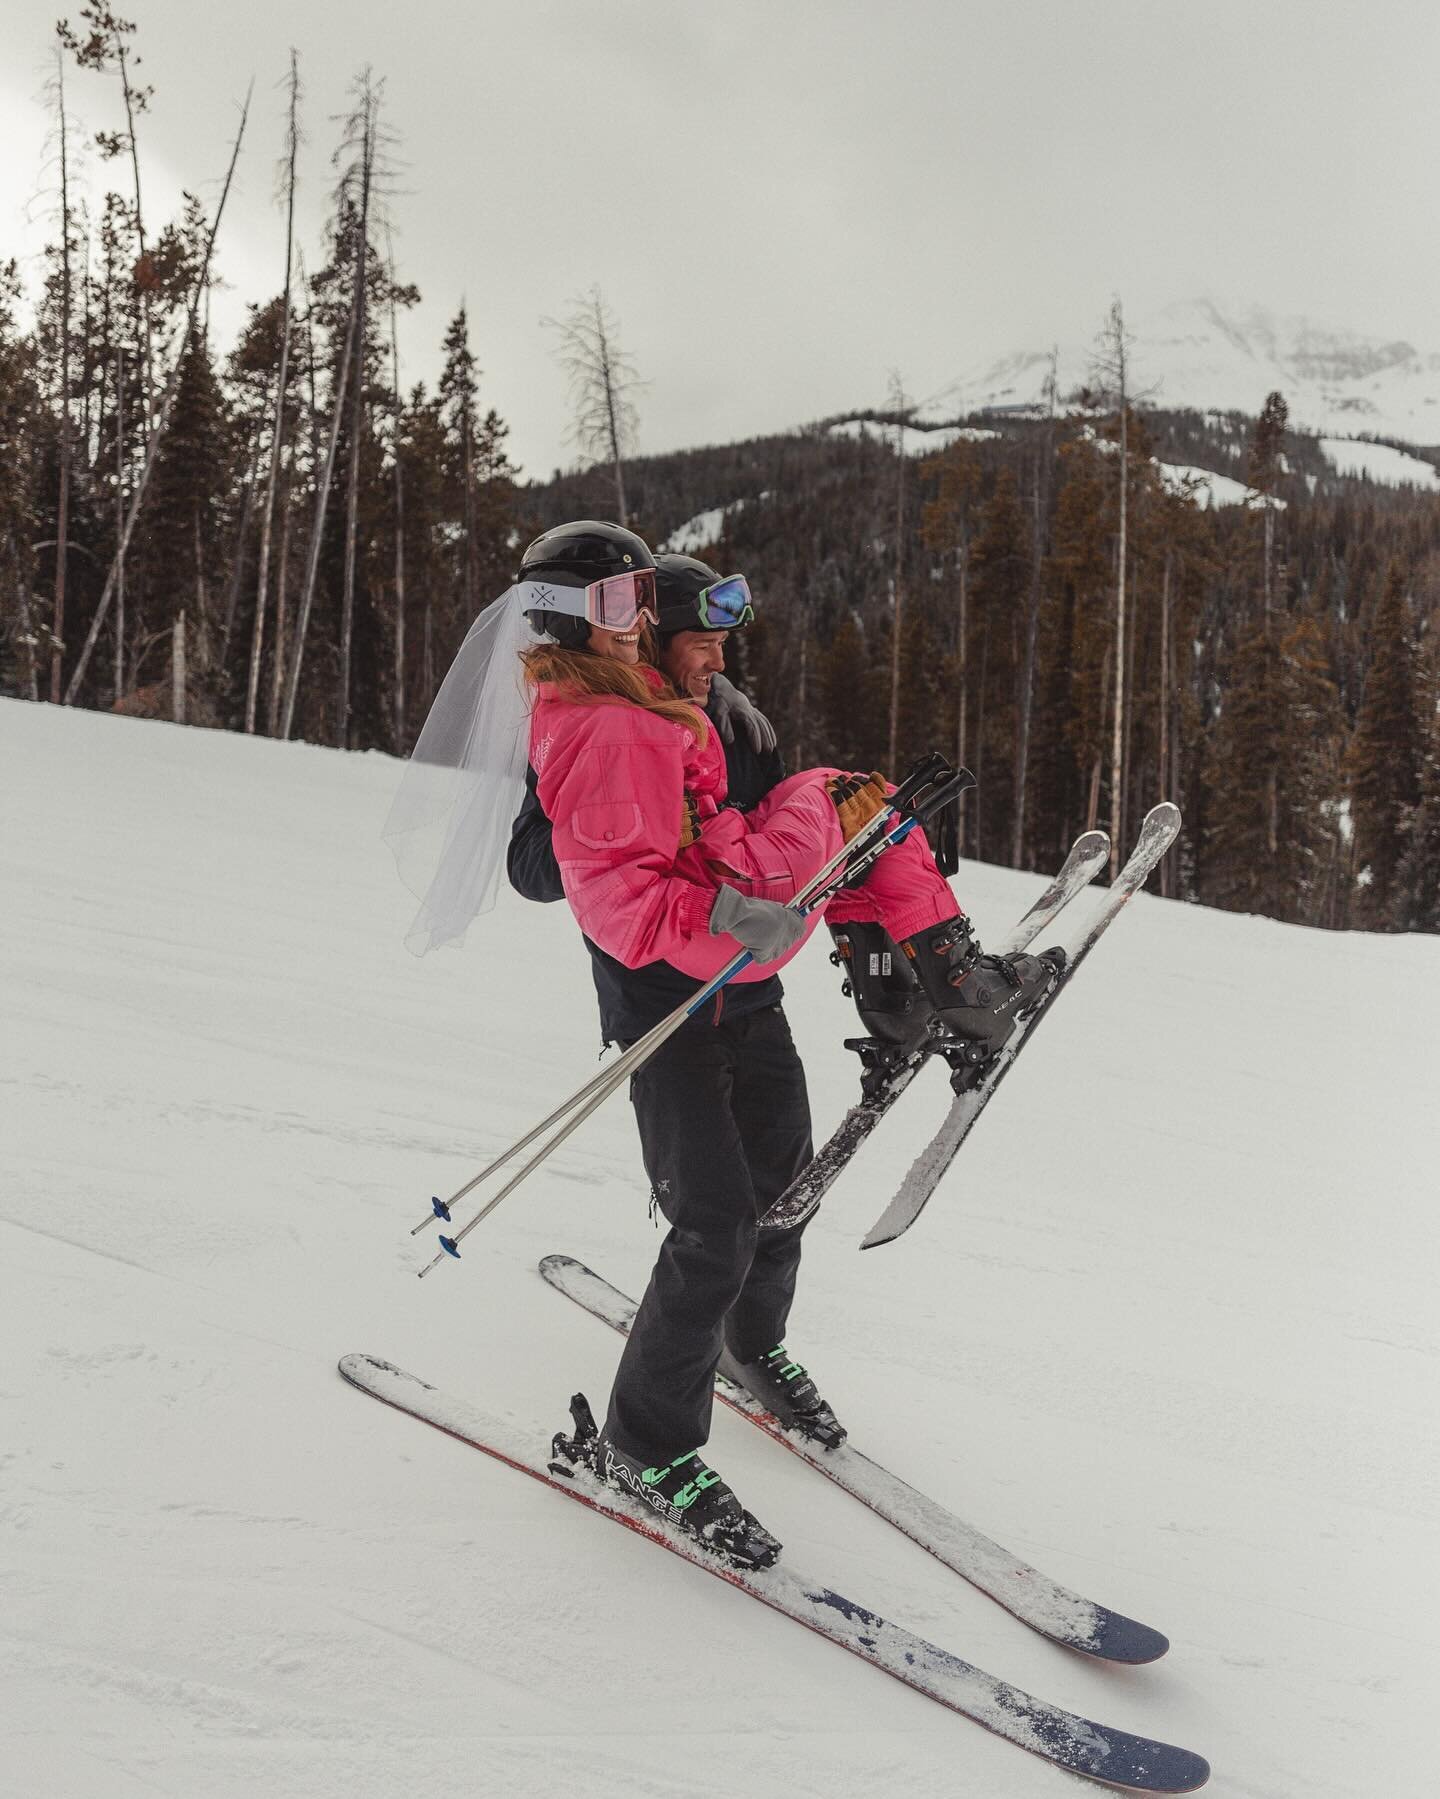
920	776
944	792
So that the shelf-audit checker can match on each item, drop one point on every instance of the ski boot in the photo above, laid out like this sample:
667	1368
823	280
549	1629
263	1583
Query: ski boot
977	999
786	1391
892	1004
684	1492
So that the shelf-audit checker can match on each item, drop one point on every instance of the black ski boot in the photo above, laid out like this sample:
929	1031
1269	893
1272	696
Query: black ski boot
684	1491
978	998
891	1002
784	1388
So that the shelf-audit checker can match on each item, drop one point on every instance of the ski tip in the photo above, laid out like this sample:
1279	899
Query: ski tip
1122	1639
549	1265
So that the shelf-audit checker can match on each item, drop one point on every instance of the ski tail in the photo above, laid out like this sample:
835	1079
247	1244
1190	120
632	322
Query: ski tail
1087	856
1159	831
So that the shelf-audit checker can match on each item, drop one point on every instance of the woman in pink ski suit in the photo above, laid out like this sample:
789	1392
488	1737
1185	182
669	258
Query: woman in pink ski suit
645	843
659	871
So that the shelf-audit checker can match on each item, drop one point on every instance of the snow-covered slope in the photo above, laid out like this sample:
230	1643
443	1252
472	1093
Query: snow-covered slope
1214	357
1169	1331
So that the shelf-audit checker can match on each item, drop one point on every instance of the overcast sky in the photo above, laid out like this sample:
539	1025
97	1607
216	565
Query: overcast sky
784	200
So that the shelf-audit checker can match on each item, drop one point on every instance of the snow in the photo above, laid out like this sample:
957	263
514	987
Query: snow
1220	356
698	533
928	442
1206	488
1167	1331
1380	463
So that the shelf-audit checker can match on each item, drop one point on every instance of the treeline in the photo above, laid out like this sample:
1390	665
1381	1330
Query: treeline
282	539
1281	662
286	539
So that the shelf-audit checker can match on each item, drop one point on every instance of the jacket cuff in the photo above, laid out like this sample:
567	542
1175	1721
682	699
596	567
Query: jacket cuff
694	910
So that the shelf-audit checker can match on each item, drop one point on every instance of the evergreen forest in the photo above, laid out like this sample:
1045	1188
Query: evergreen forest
280	535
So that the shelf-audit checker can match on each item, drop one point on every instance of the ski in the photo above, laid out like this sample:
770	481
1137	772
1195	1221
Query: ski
883	1083
1159	831
1114	1757
1047	1607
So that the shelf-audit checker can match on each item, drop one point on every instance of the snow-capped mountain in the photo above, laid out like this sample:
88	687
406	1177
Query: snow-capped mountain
1198	353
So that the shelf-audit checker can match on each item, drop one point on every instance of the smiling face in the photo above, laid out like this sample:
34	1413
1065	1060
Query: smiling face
619	646
690	658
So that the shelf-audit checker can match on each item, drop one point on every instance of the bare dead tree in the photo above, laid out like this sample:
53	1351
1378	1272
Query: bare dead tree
280	658
1044	463
137	498
602	378
399	507
277	430
1113	372
177	669
317	531
62	527
119	525
363	121
107	42
897	611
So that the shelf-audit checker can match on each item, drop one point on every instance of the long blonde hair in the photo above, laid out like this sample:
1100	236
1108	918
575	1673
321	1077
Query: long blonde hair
582	675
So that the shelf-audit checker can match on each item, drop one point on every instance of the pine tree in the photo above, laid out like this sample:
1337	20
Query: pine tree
1265	466
1000	584
1388	751
179	570
1274	776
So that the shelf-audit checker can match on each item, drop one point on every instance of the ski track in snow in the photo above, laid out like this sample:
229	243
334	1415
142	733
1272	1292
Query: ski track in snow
1167	1330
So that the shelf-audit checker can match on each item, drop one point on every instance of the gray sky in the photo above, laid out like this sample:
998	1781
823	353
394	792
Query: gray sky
784	200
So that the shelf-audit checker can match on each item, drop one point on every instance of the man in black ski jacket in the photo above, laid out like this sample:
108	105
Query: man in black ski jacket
722	1107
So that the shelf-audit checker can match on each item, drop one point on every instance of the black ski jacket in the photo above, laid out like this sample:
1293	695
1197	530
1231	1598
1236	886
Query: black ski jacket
632	1000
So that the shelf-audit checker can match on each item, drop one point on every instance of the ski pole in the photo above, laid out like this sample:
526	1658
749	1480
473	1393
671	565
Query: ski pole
930	784
596	1093
925	797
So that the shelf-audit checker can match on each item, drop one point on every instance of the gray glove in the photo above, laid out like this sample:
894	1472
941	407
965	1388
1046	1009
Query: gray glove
727	704
765	927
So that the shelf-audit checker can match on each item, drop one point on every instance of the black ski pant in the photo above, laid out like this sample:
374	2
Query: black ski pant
724	1128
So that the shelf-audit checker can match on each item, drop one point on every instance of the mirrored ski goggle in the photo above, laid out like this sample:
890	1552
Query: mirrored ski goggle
725	605
617	602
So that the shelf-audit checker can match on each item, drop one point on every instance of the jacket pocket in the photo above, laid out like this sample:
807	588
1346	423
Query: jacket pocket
607	824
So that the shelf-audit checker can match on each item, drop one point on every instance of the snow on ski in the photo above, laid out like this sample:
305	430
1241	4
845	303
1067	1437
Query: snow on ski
799	1200
1159	831
1114	1757
1046	1606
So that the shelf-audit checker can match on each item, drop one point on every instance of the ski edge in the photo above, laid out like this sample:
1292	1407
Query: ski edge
1005	1710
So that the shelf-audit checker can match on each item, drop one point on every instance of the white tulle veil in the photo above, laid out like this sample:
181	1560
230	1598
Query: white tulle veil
449	826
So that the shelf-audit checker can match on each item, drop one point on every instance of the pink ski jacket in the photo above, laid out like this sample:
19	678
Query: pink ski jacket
614	781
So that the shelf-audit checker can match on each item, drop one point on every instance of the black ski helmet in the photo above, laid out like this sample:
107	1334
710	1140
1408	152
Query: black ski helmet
574	555
679	582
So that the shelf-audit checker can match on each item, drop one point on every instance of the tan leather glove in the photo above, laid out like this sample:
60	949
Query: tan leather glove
857	798
689	822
